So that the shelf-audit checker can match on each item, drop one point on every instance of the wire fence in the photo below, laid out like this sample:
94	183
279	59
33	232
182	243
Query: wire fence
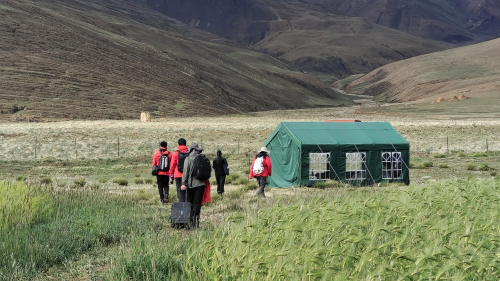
101	148
68	142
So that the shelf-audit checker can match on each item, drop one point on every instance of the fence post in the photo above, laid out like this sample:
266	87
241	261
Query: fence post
487	145
447	145
36	140
76	151
118	147
238	146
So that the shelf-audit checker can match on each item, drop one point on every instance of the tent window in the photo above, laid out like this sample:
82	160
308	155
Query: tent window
319	166
355	166
392	165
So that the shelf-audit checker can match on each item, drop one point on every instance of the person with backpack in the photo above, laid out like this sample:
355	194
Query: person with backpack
161	163
195	177
261	169
221	170
177	166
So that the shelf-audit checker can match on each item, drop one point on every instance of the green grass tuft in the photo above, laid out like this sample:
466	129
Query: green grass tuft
120	181
439	155
80	182
46	180
470	167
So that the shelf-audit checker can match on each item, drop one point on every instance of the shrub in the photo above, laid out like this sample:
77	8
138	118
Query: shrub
480	154
120	181
46	180
235	194
439	155
103	180
49	159
461	154
137	175
94	186
138	181
428	164
148	181
231	177
251	185
411	166
443	166
327	184
470	167
484	167
80	182
493	174
21	178
241	180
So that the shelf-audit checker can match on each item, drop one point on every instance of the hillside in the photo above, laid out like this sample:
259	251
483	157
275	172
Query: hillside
460	21
472	71
327	44
110	59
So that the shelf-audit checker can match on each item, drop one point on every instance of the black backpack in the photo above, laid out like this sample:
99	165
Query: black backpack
202	169
164	163
180	160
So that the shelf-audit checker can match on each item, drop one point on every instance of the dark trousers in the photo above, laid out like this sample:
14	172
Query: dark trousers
220	183
162	182
261	181
181	194
194	196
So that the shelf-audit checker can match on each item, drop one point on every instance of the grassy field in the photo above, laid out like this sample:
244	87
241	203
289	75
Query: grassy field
86	214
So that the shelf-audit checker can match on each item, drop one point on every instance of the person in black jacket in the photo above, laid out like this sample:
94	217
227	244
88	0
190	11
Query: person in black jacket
220	173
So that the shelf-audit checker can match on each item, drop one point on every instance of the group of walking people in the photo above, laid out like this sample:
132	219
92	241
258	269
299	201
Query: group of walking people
180	166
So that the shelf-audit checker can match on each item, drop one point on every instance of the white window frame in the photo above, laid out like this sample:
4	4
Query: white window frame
319	163
355	166
392	165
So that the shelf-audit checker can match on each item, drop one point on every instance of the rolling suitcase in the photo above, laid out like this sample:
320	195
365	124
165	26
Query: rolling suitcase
181	215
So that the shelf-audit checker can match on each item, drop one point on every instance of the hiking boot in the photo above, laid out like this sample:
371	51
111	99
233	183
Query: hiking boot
165	201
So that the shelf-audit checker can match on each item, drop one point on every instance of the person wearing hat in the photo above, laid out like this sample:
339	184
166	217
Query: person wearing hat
195	187
261	169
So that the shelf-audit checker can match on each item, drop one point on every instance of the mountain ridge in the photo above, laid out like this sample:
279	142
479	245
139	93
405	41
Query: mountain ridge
112	60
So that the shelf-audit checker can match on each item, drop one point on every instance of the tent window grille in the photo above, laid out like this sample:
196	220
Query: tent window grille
392	165
319	164
355	166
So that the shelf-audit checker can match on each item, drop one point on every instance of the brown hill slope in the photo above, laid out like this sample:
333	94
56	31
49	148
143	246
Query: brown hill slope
472	71
459	21
315	40
108	59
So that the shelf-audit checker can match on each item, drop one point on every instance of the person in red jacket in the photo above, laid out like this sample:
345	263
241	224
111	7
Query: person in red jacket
178	157
261	169
163	176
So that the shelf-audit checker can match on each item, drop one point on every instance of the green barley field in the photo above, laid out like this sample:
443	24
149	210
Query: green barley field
78	211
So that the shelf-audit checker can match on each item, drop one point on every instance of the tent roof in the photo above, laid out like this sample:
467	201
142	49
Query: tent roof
328	133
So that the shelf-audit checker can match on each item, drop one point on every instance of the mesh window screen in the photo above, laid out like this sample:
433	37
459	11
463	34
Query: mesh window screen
319	164
355	166
392	165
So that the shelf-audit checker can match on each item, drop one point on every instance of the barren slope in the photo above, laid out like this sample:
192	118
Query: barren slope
332	44
318	41
458	21
108	59
472	71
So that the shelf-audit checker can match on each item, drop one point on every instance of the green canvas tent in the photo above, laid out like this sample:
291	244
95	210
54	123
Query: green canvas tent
360	153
